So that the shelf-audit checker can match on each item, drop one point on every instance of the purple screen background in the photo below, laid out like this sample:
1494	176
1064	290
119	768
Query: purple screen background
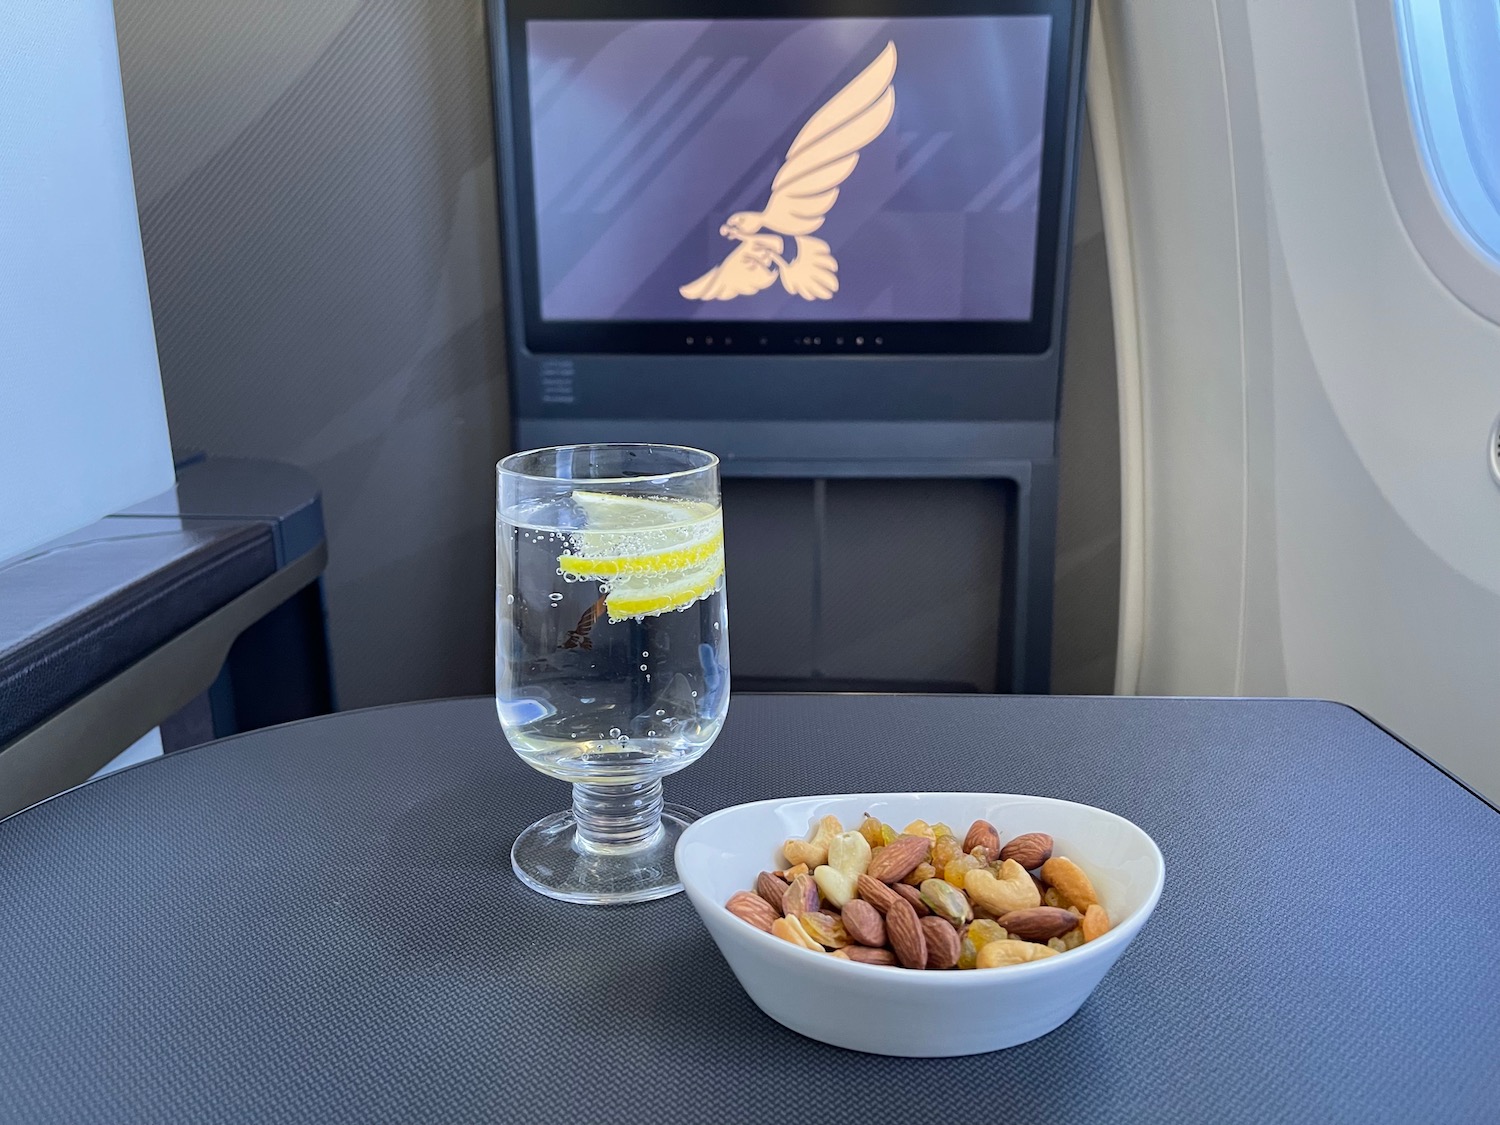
646	136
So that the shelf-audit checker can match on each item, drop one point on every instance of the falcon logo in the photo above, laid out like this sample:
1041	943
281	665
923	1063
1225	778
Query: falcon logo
821	158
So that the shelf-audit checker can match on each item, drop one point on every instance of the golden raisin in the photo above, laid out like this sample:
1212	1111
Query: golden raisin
945	849
887	834
923	871
954	870
968	952
982	931
919	828
869	828
941	829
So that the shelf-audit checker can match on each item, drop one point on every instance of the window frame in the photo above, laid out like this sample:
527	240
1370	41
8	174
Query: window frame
1455	255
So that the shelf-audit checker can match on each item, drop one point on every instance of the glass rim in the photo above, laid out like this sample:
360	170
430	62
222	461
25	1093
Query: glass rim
504	466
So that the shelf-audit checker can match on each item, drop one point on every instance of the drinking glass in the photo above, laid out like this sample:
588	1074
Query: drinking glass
611	653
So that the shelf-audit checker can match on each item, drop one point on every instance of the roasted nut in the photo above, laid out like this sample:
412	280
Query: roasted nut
868	956
840	955
771	887
801	897
899	858
848	857
824	929
789	930
1030	850
1095	922
1068	880
792	872
813	851
982	834
904	930
913	897
1039	923
863	923
942	943
753	909
876	893
1013	890
946	901
1001	953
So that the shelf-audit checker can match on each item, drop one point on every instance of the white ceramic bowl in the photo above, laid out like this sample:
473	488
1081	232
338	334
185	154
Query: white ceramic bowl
889	1011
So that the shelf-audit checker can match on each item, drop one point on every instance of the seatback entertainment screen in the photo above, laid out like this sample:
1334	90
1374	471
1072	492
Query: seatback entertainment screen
848	170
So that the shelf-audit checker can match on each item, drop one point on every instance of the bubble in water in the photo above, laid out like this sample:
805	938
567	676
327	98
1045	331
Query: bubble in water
643	667
510	599
554	597
645	653
614	732
651	733
695	695
660	713
623	740
716	626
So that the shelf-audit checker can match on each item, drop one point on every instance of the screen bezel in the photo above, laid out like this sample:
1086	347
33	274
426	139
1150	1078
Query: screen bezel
1033	336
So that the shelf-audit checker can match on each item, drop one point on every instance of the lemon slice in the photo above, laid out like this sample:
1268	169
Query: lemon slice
627	601
654	554
650	562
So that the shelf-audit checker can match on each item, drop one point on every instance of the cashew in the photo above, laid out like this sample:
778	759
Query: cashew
997	954
813	852
1013	890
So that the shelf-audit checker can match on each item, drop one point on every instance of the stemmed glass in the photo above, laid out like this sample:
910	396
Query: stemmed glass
611	653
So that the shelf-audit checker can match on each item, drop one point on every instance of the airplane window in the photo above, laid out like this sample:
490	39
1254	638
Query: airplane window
1450	48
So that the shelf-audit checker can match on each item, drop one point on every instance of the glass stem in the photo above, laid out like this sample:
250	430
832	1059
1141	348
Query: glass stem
615	818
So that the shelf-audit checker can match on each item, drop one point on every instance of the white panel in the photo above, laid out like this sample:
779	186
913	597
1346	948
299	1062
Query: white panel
1319	515
82	428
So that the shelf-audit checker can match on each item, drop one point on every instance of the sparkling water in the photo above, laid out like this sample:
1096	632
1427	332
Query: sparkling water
589	698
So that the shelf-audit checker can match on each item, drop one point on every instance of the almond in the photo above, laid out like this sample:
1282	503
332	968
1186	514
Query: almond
1030	850
753	909
1039	923
863	923
868	956
982	834
913	896
801	896
942	943
876	893
771	887
899	858
905	932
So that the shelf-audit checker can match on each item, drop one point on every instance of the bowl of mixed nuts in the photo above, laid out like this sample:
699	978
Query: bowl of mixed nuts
920	924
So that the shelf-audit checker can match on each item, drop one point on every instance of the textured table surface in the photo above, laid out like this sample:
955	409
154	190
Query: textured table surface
319	923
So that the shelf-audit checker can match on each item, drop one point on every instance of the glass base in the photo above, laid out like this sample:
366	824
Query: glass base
551	857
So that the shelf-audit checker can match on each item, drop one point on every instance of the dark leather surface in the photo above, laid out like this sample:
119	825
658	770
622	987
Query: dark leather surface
318	923
79	610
